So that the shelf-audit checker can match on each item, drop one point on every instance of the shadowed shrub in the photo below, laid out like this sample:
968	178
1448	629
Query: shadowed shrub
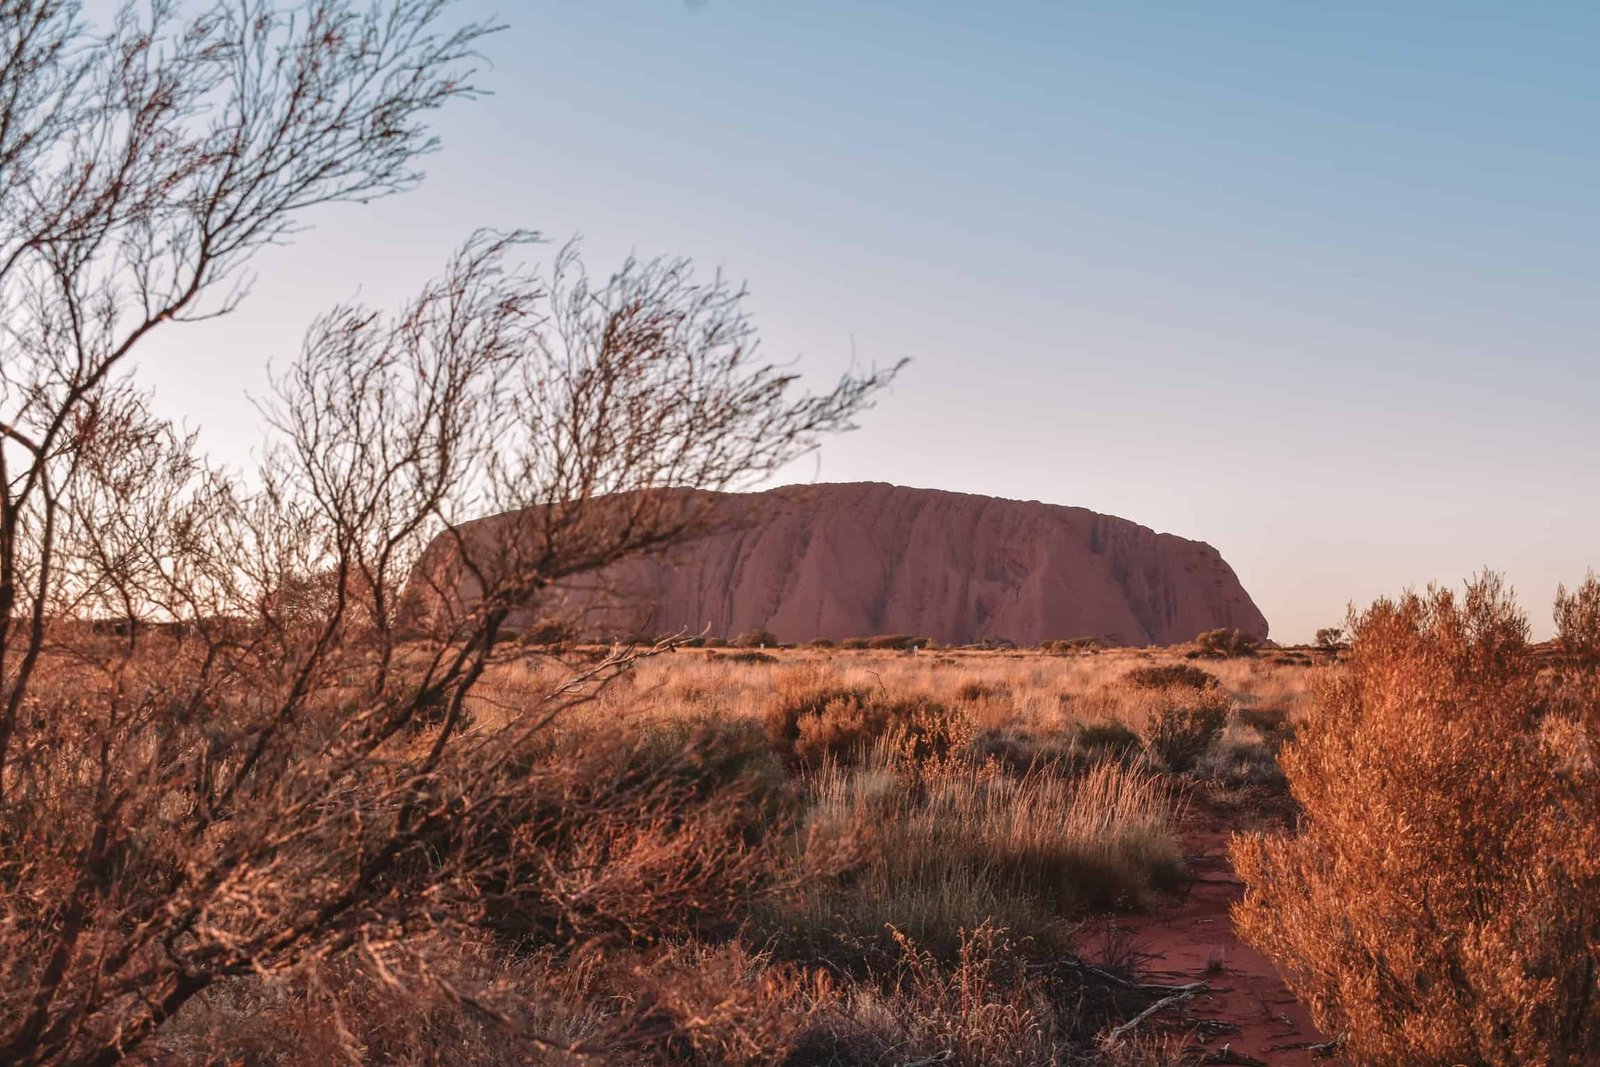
899	642
1181	730
1171	675
1224	644
1106	738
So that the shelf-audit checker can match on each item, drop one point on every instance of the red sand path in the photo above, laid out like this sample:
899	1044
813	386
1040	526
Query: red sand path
1183	945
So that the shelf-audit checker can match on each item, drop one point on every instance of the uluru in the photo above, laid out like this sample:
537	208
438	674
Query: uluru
845	560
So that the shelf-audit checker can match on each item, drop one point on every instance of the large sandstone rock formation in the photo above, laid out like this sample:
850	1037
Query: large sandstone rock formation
859	559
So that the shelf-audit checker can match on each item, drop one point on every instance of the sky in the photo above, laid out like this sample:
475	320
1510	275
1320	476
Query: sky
1316	284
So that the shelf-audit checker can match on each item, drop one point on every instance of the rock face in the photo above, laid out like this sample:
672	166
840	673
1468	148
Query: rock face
852	560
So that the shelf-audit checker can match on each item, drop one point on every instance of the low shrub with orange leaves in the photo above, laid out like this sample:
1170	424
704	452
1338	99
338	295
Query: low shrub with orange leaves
1441	901
810	726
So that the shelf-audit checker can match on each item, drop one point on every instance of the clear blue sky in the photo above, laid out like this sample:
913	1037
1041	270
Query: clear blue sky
1314	283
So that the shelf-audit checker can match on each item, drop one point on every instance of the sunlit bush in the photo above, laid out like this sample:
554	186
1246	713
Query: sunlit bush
1441	903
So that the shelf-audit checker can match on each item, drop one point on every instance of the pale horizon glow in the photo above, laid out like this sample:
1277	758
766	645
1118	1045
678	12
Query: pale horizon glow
1315	287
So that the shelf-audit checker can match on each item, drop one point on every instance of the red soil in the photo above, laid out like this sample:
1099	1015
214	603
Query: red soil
1189	942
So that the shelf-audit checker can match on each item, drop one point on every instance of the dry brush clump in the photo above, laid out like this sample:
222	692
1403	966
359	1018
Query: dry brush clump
1441	901
1170	676
1224	643
810	726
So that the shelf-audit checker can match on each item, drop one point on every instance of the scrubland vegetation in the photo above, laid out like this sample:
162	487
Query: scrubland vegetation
827	857
279	786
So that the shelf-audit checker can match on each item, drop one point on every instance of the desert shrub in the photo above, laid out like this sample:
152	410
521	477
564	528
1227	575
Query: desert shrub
1171	675
812	725
336	1011
821	642
1329	637
1224	644
899	642
788	709
755	639
1016	749
1073	646
1441	904
748	655
855	644
1180	731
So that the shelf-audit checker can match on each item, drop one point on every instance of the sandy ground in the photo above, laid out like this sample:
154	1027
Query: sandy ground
1192	939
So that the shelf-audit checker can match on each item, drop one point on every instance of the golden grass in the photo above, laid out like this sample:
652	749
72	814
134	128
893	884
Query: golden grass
995	689
686	890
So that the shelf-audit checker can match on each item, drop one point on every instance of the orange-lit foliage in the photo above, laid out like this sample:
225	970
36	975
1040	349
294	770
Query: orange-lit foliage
1441	903
809	726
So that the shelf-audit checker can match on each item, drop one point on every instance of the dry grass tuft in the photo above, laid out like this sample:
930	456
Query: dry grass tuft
956	844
